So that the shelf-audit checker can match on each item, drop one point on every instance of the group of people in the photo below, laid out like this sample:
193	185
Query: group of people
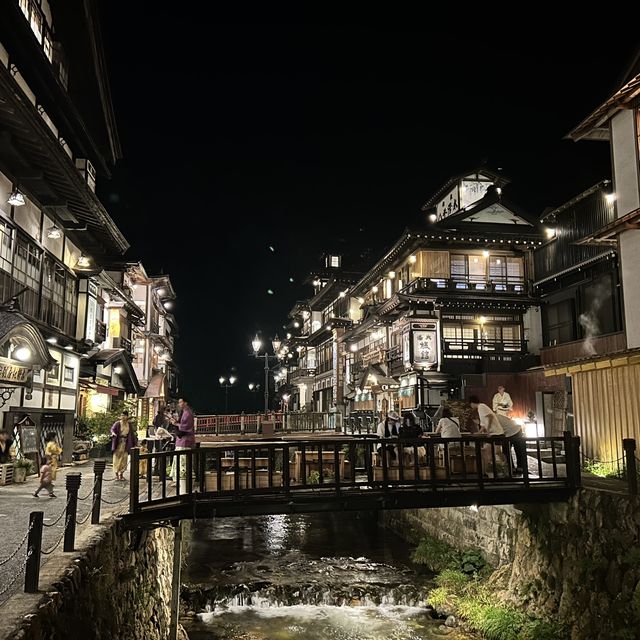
179	425
490	421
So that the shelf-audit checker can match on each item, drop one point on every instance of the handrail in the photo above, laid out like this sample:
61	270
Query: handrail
342	464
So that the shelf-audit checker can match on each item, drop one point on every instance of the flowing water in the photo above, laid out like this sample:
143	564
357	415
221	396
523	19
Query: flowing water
305	577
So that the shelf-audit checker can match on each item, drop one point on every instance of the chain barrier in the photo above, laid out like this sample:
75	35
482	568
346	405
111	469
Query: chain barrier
17	574
95	484
53	524
116	502
88	515
55	546
15	553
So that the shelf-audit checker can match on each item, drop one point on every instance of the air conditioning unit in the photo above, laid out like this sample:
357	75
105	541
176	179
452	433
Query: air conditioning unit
87	171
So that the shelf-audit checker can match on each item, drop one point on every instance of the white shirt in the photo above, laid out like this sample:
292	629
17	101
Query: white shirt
502	403
448	428
510	427
489	421
392	433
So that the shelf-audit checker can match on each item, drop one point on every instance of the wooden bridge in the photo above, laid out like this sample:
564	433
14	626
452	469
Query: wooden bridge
342	473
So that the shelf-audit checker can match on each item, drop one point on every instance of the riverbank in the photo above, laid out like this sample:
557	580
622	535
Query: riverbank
576	563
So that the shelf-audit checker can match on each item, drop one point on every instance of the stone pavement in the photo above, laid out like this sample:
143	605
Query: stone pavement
17	501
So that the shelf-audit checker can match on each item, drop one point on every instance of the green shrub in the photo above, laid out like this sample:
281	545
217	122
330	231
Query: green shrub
602	469
501	623
541	630
439	597
472	562
435	554
452	580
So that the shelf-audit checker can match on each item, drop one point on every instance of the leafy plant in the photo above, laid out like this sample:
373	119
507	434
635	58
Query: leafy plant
23	463
439	597
452	580
472	562
435	554
314	478
602	469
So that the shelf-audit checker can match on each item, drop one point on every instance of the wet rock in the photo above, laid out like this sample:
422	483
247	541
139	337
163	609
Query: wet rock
451	622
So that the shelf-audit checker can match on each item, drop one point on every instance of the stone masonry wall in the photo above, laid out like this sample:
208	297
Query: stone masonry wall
111	591
578	562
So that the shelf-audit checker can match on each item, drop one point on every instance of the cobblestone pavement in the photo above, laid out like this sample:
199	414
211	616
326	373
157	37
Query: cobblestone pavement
17	501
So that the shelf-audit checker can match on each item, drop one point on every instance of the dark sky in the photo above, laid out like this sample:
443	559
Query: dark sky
237	137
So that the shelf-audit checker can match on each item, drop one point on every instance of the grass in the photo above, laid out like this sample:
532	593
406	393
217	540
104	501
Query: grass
439	556
602	469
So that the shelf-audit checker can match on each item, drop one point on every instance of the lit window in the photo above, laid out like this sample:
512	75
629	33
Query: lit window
335	261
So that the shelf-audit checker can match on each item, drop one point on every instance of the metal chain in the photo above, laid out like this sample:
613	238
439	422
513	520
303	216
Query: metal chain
18	573
53	524
13	555
95	484
116	502
93	503
55	546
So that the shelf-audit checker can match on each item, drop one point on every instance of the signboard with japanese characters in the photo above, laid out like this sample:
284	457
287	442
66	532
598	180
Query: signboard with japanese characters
14	373
465	193
425	343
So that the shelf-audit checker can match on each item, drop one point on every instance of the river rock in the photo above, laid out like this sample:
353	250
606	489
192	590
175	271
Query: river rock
451	621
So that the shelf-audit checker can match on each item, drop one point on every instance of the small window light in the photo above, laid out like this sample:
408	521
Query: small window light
16	198
54	232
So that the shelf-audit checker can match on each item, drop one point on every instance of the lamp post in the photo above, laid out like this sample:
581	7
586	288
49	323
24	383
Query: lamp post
226	383
256	343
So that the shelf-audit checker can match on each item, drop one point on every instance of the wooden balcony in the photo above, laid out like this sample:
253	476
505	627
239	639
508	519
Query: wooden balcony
599	346
468	285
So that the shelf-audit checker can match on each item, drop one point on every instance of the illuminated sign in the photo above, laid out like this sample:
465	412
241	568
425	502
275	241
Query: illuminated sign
13	373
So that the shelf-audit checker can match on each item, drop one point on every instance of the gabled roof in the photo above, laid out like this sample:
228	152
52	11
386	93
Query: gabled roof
109	357
594	126
492	209
497	179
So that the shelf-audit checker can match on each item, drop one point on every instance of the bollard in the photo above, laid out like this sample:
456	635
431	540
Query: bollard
134	478
73	486
629	445
98	471
34	546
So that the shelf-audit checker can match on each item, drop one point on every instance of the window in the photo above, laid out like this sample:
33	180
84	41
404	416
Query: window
26	271
598	315
69	374
335	261
506	270
54	373
559	322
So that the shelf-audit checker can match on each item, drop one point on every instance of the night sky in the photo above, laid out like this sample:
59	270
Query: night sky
238	137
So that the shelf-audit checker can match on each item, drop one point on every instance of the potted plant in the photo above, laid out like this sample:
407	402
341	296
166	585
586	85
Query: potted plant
22	467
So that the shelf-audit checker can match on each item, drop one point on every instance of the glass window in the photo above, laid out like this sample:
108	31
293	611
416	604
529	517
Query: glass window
559	321
477	268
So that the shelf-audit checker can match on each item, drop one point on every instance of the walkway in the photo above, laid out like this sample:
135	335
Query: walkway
17	501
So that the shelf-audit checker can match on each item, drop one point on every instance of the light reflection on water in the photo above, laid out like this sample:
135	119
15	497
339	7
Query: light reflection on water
306	577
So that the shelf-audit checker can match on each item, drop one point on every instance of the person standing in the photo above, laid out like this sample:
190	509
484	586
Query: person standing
389	428
515	437
5	446
490	425
185	434
45	479
448	426
502	403
123	439
53	450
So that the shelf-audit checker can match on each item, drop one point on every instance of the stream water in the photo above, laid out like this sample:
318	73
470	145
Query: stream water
305	577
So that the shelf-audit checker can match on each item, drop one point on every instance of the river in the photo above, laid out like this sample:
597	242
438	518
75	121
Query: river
335	576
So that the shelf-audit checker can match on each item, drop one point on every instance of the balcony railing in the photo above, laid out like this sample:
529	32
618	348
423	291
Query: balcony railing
302	373
101	331
460	284
480	346
597	346
122	343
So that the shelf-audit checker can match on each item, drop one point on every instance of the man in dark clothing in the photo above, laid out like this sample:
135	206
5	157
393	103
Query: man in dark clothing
5	447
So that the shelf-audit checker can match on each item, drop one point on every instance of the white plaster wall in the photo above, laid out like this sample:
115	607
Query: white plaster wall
625	165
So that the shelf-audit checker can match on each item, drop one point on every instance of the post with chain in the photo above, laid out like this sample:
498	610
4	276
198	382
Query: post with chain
629	445
98	472
73	486
34	548
134	478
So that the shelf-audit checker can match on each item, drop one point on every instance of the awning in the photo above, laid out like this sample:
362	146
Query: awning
14	326
108	390
374	376
157	387
110	357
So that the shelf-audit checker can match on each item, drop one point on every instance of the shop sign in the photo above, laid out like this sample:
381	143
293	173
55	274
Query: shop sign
12	372
425	345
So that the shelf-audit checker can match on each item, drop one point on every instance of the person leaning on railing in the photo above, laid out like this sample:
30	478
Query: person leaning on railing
185	434
490	425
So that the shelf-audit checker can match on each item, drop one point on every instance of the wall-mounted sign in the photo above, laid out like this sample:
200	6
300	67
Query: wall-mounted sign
425	345
463	194
15	373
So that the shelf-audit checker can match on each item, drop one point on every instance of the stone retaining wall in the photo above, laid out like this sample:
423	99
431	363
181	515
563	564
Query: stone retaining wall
117	588
577	561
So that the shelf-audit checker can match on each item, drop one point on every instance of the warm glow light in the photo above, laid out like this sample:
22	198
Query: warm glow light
16	198
52	340
361	300
342	294
298	349
296	325
69	347
276	343
251	386
328	327
412	259
222	379
482	319
83	261
498	190
433	217
283	372
256	343
305	315
550	232
374	289
54	232
232	379
392	275
611	198
353	348
485	253
167	305
117	370
161	291
286	397
22	353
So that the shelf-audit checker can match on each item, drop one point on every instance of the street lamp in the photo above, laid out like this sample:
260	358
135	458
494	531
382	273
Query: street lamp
276	343
226	383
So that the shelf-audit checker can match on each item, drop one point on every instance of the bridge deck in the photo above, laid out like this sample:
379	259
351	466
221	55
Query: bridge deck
348	473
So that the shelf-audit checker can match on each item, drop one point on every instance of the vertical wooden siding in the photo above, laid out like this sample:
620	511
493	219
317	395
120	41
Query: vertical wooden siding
606	406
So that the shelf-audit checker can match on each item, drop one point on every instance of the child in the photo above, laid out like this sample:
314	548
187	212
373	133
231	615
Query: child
53	450
45	478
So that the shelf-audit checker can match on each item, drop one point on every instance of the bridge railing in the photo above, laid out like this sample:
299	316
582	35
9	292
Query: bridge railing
236	424
342	465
